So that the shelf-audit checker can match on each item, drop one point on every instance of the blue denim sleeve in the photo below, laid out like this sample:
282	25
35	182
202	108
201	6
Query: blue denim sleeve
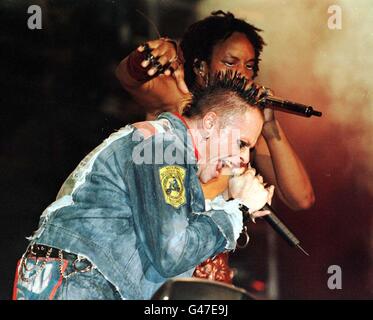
174	237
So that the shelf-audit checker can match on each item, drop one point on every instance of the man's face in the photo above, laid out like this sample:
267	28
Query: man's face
231	144
235	53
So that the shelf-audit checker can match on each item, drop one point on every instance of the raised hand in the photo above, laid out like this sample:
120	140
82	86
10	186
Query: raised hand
162	58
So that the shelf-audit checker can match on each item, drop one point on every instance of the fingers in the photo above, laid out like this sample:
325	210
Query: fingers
145	63
251	189
250	171
259	214
159	53
262	92
269	92
153	44
260	178
161	57
271	191
158	65
255	195
162	51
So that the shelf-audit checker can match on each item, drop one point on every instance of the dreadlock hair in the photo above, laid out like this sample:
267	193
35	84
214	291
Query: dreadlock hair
200	38
226	94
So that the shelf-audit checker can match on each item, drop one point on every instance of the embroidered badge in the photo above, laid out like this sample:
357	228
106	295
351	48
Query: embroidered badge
172	181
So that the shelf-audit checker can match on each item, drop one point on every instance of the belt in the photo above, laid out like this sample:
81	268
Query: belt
42	251
79	264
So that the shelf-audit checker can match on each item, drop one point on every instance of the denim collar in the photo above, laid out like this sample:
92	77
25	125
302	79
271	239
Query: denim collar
183	134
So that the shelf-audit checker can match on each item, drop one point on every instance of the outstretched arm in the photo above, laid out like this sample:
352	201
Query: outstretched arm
277	161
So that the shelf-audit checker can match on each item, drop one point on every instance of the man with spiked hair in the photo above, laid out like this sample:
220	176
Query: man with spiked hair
132	214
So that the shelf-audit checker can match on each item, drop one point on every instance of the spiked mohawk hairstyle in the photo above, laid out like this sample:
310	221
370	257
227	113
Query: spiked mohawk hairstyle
226	93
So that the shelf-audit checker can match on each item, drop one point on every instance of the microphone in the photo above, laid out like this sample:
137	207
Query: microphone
278	226
288	106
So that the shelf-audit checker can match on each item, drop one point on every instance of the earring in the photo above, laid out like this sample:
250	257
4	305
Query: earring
205	78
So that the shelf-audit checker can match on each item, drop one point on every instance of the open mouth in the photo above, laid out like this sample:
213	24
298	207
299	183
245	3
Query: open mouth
235	169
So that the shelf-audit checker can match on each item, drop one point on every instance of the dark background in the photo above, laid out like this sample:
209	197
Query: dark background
60	98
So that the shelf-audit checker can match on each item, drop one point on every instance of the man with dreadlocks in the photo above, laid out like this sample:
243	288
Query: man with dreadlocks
132	214
158	76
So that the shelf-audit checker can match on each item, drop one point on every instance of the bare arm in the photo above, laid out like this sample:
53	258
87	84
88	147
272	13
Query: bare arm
279	164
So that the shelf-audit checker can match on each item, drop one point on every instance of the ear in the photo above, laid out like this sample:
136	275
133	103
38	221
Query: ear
200	68
209	123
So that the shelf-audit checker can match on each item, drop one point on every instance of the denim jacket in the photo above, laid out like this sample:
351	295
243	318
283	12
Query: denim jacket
140	223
